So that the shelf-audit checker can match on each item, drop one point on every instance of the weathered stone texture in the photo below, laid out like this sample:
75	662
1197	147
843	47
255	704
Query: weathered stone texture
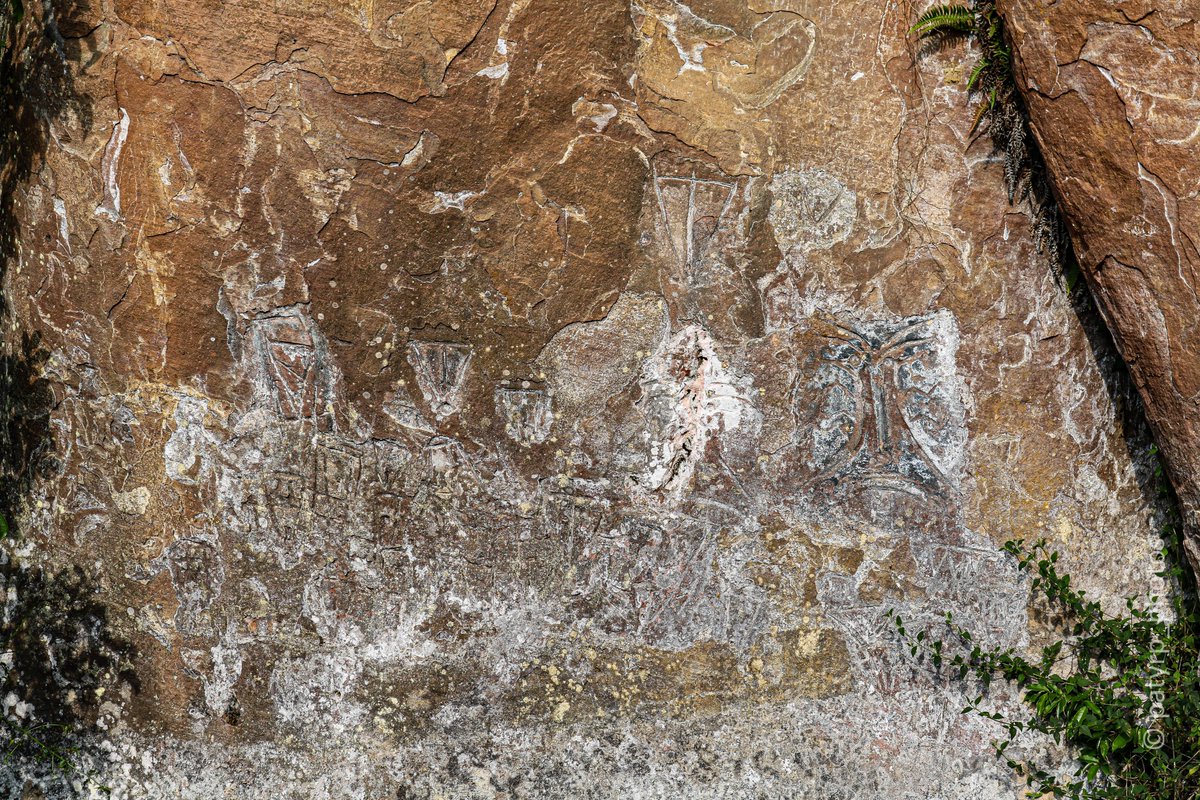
549	399
1113	90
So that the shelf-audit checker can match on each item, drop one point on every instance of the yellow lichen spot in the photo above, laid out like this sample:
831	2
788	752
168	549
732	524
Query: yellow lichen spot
807	642
1064	529
560	711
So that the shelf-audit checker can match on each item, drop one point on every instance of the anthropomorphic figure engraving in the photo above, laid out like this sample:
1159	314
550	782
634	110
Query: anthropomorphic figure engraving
287	348
886	422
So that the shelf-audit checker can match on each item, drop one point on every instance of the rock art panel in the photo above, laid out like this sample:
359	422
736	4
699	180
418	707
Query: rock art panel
538	399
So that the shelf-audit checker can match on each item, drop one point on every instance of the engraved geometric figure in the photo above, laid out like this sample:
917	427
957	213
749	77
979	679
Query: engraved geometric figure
287	350
449	475
526	413
286	499
440	368
811	210
445	455
693	209
337	472
197	575
886	421
385	470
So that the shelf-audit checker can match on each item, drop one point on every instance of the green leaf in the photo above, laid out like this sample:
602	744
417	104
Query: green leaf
976	73
944	19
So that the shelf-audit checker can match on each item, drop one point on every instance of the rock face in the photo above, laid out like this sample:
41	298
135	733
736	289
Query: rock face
537	399
1113	91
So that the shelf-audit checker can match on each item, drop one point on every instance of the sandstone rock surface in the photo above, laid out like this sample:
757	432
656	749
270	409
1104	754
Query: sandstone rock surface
1113	91
537	399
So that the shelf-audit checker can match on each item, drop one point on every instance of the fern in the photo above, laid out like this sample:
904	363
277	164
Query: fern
944	19
997	107
981	111
977	73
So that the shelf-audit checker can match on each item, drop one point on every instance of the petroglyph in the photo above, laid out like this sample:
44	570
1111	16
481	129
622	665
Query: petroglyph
526	412
689	398
811	210
286	344
752	64
198	575
400	407
440	368
182	452
662	585
889	410
110	206
693	208
776	55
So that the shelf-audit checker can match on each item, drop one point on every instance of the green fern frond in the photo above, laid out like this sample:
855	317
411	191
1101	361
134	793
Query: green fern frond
977	73
944	19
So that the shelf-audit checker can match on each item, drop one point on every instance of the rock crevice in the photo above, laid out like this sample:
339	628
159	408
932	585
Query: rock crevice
1114	102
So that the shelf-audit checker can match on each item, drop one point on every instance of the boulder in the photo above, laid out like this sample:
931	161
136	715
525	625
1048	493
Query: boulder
1113	94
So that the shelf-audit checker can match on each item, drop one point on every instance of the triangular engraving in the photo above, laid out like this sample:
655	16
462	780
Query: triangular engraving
693	209
287	348
440	368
